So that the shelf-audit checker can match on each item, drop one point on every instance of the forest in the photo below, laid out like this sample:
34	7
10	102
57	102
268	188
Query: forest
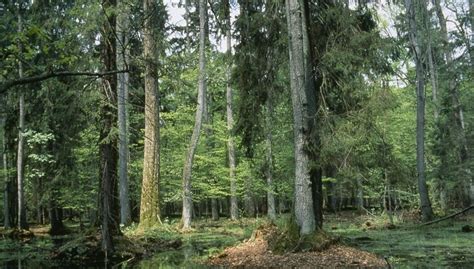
236	133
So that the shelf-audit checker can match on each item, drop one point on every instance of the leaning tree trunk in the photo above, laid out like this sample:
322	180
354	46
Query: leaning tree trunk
22	223
426	210
234	207
201	103
108	139
149	208
303	200
122	59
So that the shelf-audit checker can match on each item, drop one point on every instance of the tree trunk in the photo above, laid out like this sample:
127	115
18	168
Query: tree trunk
425	204
6	192
312	88
271	208
149	207
360	195
22	223
208	117
122	59
108	139
201	104
471	54
303	200
234	207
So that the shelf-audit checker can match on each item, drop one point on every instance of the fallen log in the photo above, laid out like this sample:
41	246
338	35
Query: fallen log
449	216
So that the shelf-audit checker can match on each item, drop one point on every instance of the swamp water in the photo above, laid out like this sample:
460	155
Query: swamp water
437	246
434	246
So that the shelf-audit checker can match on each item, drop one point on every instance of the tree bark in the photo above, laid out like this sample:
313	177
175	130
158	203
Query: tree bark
303	200
234	207
201	104
149	207
425	204
122	59
22	223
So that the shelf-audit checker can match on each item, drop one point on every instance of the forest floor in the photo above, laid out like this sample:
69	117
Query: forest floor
357	240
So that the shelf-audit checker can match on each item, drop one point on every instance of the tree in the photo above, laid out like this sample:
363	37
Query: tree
108	138
123	115
234	206
449	79
149	205
418	52
22	221
201	105
299	83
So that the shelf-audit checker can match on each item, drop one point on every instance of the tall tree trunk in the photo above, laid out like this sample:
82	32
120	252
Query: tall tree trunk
201	104
454	93
312	88
425	204
303	200
22	223
122	59
271	208
108	139
234	207
149	207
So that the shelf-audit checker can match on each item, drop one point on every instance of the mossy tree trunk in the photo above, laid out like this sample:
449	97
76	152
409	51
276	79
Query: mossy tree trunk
149	207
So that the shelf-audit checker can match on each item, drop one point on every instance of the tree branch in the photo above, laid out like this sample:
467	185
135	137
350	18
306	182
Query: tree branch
4	86
448	217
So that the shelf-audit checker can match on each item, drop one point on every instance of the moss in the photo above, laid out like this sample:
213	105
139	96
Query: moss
287	239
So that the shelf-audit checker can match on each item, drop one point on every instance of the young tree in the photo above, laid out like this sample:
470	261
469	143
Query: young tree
418	52
149	206
201	105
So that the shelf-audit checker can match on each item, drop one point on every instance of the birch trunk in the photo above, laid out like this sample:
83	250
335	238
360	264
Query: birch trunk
22	223
201	103
303	200
149	206
425	204
122	59
234	207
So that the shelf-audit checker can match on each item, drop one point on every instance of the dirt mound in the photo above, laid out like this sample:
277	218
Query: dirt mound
257	253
